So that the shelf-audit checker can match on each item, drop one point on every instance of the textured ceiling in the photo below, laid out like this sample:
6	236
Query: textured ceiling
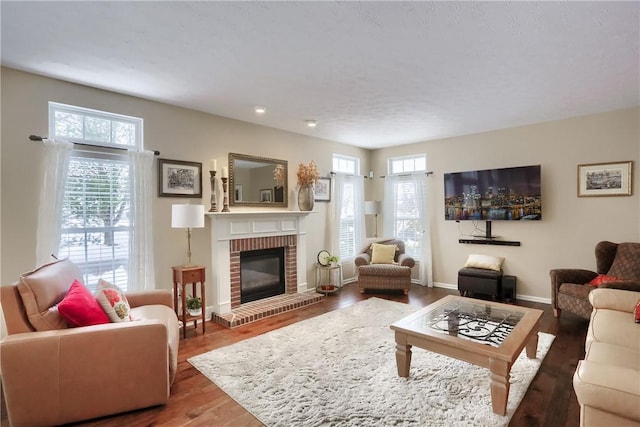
373	74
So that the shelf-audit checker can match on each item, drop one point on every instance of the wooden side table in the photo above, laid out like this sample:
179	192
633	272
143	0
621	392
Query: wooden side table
182	276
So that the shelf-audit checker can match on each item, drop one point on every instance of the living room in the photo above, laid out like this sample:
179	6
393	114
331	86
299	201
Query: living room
570	228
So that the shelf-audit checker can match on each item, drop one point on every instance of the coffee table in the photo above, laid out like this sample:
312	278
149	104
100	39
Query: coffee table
484	333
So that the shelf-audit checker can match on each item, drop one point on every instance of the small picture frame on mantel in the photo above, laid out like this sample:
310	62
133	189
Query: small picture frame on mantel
605	179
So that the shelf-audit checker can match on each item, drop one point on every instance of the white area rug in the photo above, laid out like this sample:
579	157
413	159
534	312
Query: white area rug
340	369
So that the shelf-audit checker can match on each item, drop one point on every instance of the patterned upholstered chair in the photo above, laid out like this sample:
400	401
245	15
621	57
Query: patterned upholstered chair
395	275
618	266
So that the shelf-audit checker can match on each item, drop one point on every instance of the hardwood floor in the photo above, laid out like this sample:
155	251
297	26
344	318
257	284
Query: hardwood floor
195	401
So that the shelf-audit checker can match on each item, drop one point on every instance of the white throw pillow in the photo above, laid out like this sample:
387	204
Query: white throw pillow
113	302
486	262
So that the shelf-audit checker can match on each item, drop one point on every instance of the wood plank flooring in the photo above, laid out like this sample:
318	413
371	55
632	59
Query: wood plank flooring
195	401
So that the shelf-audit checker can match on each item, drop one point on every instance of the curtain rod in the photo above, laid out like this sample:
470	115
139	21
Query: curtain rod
409	174
348	174
40	138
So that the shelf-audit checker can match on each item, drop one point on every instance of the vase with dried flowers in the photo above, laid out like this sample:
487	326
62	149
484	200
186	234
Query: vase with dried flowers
307	176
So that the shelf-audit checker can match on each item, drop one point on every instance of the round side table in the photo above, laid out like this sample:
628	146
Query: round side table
328	278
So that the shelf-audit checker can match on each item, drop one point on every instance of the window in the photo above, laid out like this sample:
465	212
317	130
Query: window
96	207
347	192
404	195
407	164
407	224
76	124
344	164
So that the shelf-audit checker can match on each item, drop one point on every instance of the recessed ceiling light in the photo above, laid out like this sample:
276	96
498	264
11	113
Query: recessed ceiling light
260	110
311	123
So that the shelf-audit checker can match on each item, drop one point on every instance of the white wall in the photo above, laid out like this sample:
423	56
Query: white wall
571	226
178	133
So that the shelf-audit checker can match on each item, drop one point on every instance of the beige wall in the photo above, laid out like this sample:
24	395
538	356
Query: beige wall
571	226
178	133
564	238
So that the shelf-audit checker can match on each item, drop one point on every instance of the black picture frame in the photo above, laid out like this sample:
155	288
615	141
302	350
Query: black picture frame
177	178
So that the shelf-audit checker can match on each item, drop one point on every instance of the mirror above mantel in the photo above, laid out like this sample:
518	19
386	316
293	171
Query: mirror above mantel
257	181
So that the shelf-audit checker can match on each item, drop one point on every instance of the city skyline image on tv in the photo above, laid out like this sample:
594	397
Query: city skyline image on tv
494	194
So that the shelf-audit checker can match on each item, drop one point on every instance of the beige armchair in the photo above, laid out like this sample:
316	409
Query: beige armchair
395	275
52	374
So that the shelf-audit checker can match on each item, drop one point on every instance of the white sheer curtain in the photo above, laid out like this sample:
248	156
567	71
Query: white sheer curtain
358	212
389	213
335	213
54	166
418	183
141	273
345	186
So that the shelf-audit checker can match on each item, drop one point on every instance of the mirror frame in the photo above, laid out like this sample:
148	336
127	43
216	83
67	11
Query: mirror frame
232	200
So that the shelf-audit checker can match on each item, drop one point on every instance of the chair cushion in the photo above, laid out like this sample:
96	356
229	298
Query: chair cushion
384	270
486	262
576	290
168	316
113	302
383	254
42	289
80	308
626	264
575	298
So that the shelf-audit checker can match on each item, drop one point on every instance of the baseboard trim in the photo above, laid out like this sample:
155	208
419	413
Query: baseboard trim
518	296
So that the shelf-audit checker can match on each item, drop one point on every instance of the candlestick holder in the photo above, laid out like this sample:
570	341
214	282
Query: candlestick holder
212	178
225	200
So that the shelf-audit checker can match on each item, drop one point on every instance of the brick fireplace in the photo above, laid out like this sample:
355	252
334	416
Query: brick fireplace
288	242
234	232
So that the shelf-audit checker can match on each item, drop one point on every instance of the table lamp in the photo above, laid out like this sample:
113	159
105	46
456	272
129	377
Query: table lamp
373	208
187	216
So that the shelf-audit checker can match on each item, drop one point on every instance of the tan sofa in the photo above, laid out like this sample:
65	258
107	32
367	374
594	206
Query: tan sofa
58	376
607	382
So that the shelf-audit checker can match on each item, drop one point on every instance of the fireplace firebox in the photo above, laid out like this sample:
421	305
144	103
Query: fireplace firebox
262	274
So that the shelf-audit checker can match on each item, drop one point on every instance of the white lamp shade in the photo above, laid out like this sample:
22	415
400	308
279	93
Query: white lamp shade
372	207
187	216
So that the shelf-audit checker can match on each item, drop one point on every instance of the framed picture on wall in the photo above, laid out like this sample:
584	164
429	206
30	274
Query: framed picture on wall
605	179
179	179
323	190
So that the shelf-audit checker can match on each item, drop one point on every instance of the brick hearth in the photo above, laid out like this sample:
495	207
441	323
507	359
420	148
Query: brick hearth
267	307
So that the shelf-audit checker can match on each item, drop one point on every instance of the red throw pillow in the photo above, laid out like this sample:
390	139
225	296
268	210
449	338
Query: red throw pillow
80	308
637	312
603	278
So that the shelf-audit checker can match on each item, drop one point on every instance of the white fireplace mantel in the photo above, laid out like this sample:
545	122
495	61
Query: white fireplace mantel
227	226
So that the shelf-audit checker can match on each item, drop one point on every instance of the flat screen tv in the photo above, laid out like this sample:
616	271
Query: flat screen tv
494	194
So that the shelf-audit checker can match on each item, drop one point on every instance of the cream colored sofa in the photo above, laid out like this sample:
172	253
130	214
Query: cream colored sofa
58	376
607	382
